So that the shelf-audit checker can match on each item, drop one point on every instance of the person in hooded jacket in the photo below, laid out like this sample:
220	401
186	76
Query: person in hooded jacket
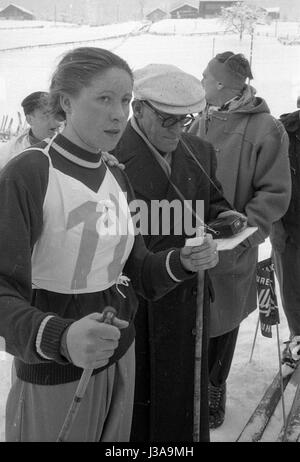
253	168
285	238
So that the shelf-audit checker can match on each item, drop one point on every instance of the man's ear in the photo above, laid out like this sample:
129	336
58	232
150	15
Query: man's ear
28	118
137	108
65	103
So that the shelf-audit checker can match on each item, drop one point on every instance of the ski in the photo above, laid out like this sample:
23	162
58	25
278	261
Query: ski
291	431
257	423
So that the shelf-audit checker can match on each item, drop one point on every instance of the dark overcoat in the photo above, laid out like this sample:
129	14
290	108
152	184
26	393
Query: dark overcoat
165	329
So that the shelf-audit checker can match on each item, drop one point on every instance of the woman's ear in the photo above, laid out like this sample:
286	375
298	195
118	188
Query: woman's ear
65	103
137	108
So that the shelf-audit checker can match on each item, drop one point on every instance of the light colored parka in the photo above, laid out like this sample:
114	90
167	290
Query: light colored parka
13	147
253	168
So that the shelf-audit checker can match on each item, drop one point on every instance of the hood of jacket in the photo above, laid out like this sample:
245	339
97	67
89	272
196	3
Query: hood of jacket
291	121
248	103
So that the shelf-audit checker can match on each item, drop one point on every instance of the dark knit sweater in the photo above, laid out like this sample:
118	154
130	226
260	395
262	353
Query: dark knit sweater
23	185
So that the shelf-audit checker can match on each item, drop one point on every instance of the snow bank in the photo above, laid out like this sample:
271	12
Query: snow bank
50	34
188	26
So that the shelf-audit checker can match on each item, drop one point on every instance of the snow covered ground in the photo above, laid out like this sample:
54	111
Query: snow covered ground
276	67
47	32
276	70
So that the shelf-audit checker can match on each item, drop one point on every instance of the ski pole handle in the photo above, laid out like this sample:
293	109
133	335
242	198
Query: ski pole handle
109	314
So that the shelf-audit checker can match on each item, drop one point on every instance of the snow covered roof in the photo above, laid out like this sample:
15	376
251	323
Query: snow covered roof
221	1
273	10
19	8
156	10
180	4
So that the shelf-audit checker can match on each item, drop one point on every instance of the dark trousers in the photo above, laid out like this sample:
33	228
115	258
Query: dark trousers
287	266
220	355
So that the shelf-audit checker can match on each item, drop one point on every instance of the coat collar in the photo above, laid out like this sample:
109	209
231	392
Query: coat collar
133	152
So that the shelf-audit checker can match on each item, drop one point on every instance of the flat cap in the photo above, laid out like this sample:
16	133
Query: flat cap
169	89
36	100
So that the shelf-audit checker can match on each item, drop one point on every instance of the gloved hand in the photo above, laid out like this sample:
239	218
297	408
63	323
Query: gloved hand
91	342
294	347
201	257
237	214
112	161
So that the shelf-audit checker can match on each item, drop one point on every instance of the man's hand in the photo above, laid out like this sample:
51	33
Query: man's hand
91	342
112	161
237	214
200	257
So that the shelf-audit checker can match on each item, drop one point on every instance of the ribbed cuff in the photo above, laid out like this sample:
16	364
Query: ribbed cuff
175	265
50	343
63	345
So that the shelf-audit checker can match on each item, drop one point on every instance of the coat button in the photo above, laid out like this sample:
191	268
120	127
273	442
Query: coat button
194	332
194	291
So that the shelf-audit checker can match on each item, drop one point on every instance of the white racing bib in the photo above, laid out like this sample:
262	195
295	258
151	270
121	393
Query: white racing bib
87	236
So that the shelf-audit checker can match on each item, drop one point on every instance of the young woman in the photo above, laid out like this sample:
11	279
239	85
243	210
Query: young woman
68	250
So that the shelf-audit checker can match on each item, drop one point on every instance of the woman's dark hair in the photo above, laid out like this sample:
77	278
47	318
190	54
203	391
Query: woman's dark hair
76	70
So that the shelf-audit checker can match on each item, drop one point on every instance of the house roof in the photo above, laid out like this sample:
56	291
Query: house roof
180	4
221	1
19	8
273	10
156	9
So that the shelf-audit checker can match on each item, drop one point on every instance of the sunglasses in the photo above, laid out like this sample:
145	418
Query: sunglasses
169	121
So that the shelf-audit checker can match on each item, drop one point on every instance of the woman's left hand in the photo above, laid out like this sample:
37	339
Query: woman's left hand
200	257
112	161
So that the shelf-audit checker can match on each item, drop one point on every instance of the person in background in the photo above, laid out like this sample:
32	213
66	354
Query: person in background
253	169
165	164
68	251
41	123
285	239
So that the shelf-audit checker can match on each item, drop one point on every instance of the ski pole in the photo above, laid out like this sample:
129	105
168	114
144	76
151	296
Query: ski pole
109	313
254	340
198	240
198	356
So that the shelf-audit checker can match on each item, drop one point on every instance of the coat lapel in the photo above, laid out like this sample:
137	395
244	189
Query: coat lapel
149	180
145	174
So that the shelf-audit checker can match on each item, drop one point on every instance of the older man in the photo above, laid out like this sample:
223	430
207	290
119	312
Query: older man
41	125
253	168
163	163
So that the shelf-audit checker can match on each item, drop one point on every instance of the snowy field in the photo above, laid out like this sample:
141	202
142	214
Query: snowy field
276	70
44	33
276	67
215	25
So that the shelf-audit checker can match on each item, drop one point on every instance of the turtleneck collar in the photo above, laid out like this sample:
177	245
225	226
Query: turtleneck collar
76	154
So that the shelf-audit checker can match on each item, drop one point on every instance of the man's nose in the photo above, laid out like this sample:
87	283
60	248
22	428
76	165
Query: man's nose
176	128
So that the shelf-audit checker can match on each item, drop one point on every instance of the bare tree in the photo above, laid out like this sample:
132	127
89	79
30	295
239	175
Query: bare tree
142	6
242	18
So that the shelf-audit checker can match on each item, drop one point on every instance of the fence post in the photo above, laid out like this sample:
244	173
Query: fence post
213	46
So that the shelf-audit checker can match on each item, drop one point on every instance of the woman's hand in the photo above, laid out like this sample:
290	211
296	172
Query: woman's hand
91	342
200	257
